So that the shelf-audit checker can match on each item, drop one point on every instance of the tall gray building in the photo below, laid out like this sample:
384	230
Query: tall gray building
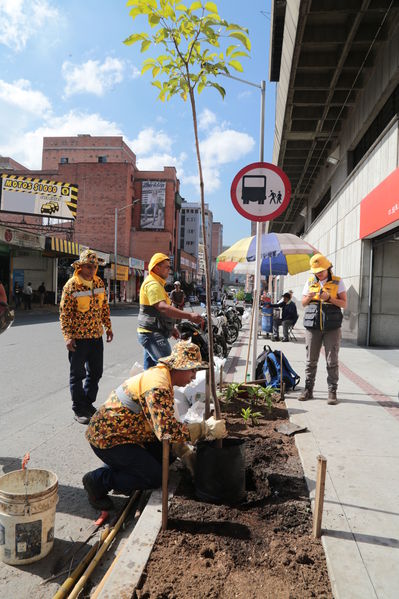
190	231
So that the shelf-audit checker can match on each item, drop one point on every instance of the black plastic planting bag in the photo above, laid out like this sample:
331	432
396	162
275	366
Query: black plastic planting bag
220	471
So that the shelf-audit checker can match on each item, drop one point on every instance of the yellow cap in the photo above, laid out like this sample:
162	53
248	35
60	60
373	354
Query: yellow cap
318	263
156	259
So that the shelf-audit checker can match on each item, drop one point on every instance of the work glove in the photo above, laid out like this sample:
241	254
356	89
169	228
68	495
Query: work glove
209	430
186	455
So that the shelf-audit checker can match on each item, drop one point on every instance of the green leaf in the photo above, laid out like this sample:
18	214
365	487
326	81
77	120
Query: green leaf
135	37
236	65
237	54
244	39
181	7
134	12
153	20
157	84
201	86
145	45
211	6
195	6
146	68
155	71
220	89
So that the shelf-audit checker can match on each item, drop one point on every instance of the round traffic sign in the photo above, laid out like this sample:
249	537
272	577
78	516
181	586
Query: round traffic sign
260	191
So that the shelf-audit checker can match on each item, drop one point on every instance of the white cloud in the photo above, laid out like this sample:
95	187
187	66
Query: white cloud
92	77
135	72
222	147
26	147
149	140
23	19
20	94
156	162
206	118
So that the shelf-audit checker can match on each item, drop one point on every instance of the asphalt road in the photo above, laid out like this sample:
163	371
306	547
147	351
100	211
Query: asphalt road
36	416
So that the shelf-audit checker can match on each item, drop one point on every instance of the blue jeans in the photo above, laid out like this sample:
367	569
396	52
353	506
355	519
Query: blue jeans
86	364
128	467
155	346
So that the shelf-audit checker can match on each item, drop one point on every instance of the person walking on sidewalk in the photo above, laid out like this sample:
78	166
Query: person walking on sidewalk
28	291
156	321
42	292
324	297
84	314
126	433
289	316
177	296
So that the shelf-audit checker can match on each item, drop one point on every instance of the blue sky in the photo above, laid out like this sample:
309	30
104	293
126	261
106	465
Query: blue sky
64	70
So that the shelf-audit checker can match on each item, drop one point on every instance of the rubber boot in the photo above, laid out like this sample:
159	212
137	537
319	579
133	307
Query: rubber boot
306	394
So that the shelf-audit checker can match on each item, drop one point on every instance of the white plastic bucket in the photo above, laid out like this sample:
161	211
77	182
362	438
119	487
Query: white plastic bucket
28	499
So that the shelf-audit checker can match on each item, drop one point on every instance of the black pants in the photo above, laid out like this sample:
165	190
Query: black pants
86	365
128	467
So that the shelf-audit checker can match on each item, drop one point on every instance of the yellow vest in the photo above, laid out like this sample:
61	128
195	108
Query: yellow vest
331	287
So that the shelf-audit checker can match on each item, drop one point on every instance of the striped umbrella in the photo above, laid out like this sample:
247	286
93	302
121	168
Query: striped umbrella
281	253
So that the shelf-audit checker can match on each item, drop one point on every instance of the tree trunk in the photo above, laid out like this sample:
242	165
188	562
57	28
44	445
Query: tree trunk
212	379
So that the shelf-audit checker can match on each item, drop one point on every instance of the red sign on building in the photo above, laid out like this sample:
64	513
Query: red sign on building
379	210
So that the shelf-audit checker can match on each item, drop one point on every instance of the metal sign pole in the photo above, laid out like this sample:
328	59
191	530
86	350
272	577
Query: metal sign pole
258	239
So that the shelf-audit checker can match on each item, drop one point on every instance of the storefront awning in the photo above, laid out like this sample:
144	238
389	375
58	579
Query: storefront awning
63	246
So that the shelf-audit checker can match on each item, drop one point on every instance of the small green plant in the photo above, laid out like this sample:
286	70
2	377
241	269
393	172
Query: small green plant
265	394
248	414
240	295
232	392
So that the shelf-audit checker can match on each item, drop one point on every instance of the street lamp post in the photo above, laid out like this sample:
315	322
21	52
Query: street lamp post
116	242
262	87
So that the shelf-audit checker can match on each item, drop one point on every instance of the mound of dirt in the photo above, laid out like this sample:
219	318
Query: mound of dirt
260	549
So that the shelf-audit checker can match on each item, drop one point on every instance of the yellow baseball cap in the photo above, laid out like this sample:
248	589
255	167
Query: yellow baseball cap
156	259
318	263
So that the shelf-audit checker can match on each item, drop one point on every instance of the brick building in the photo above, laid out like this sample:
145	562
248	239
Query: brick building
105	171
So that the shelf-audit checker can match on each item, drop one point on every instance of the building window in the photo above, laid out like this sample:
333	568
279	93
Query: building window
319	207
102	159
64	160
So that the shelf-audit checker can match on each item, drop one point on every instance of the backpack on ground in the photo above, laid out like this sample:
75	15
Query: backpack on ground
268	368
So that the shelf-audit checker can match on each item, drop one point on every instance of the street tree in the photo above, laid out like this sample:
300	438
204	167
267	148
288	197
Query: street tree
188	42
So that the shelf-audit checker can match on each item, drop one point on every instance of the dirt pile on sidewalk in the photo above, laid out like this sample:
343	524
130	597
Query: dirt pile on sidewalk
262	548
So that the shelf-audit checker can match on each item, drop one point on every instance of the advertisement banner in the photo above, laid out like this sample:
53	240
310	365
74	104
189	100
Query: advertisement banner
153	205
39	197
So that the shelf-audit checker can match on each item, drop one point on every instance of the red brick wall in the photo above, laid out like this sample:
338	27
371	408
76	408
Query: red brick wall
84	148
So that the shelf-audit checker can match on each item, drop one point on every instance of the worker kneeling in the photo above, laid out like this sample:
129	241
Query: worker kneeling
126	433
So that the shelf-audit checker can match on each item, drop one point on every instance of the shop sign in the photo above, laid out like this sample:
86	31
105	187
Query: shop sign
379	210
40	197
122	272
136	263
22	238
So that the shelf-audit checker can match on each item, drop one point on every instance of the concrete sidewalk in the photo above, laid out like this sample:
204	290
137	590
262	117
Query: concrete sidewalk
359	437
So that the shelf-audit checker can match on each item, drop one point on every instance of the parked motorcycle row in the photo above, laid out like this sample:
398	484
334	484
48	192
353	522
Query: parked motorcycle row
226	324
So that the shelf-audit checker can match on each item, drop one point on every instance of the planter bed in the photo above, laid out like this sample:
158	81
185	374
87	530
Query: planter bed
262	548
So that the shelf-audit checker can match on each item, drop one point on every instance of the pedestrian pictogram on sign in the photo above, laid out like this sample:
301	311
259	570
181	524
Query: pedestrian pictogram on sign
260	191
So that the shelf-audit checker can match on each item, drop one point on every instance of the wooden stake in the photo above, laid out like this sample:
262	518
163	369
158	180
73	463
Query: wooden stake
221	378
319	497
207	395
281	377
165	479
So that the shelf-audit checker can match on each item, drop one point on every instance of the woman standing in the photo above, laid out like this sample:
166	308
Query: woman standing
324	297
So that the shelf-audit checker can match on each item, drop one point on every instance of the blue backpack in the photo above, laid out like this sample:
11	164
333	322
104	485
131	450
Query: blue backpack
268	367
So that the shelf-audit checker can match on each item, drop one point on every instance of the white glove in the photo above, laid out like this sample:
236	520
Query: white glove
186	455
210	430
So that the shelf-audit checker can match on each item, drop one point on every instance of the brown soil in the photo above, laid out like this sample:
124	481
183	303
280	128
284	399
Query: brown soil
262	548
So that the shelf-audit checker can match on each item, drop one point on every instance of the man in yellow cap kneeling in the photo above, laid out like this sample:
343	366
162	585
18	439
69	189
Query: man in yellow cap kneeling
126	433
157	317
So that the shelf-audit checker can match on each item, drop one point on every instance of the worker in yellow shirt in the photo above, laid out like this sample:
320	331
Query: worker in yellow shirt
156	321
